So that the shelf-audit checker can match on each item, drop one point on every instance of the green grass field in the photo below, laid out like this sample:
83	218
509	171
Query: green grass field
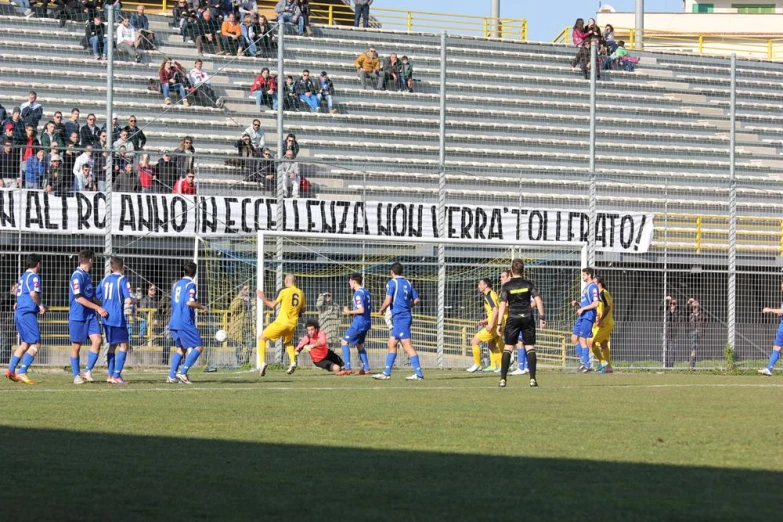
454	447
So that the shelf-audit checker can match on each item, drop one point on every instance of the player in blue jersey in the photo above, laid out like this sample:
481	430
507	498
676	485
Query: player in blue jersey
361	309
401	297
184	303
28	306
778	343
115	293
82	318
586	315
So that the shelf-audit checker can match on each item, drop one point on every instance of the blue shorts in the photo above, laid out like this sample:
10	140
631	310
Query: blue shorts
583	327
186	338
356	333
402	327
116	334
779	336
80	331
27	326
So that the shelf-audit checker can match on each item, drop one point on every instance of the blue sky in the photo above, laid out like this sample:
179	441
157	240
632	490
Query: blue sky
545	20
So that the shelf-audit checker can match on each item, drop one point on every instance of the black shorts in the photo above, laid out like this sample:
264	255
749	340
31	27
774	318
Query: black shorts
330	359
520	324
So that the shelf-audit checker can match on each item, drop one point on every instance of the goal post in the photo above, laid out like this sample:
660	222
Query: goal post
443	324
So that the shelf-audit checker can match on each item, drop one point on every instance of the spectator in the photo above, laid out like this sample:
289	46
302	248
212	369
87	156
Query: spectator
329	317
72	151
135	134
593	30
180	15
169	79
289	169
115	128
85	158
390	72
32	111
290	98
406	74
247	8
8	134
256	134
69	9
203	94
305	88
241	325
291	144
584	59
249	30
59	126
264	171
83	180
73	124
578	36
50	140
121	159
9	162
264	88
127	180
368	65
674	320
617	55
246	153
89	133
141	23
89	8
3	114
304	8
185	156
225	8
326	92
166	171
100	155
127	40
149	308
58	180
17	125
24	5
288	11
34	170
186	185
268	42
208	32
96	35
146	174
123	141
31	143
361	10
609	38
232	36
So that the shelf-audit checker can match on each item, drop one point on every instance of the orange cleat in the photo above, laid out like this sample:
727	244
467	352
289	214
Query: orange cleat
364	372
11	375
22	377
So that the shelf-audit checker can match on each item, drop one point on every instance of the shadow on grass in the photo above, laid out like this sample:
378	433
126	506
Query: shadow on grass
66	475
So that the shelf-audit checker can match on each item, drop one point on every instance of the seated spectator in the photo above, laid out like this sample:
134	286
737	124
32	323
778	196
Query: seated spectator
72	151
117	11
593	30
34	170
305	89
289	169
135	134
17	126
246	153
304	8
256	134
58	180
203	94
185	155
127	180
84	159
89	133
291	144
166	170
73	124
406	74
24	5
288	11
609	38
621	59
290	97
146	174
10	165
50	141
186	185
326	92
83	180
578	36
264	88
268	42
390	73
32	111
207	33
232	36
179	15
128	40
225	8
169	79
123	141
264	171
31	143
249	30
141	23
96	35
368	65
247	8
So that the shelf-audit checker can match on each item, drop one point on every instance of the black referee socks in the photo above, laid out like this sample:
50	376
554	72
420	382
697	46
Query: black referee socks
504	364
531	363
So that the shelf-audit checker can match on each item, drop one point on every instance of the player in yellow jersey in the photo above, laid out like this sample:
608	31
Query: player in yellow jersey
602	329
292	304
487	334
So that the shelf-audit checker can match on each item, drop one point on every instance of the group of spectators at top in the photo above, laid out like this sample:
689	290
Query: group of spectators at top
610	53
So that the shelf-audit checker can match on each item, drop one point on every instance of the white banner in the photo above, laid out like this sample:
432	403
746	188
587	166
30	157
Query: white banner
165	215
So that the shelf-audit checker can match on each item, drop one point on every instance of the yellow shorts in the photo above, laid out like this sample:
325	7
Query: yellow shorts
487	337
602	333
277	330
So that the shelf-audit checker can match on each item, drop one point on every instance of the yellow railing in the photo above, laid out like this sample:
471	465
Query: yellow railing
704	233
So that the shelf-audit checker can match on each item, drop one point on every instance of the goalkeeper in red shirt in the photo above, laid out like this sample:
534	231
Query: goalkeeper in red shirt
315	343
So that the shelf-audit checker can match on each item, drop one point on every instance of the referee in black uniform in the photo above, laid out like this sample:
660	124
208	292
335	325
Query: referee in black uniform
516	295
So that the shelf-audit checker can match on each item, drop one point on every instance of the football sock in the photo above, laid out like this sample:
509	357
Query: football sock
495	358
578	349
585	356
505	362
531	362
92	358
476	354
347	356
119	362
416	366
110	363
189	361
522	358
291	351
27	360
175	360
365	360
606	353
390	357
14	363
75	366
773	358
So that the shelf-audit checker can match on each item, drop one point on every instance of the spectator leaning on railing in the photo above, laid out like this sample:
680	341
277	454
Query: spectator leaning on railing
186	185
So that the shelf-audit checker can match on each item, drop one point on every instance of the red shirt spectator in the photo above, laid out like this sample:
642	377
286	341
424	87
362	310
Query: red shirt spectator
145	176
186	185
320	350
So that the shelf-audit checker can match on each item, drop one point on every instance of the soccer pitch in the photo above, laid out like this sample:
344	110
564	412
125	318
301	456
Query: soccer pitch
311	446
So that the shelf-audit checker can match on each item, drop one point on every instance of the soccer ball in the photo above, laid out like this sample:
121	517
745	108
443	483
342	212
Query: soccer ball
221	336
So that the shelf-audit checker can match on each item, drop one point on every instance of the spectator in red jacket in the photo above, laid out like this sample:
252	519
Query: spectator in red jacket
31	144
169	79
146	174
186	185
264	88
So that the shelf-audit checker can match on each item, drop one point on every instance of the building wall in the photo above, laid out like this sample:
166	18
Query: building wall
714	23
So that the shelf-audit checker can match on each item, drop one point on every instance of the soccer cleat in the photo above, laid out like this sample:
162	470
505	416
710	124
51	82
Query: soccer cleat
78	380
533	383
581	368
183	378
502	383
600	367
475	368
262	369
169	380
765	371
518	372
118	380
605	369
108	379
490	369
585	369
291	369
23	378
381	376
497	370
87	376
363	372
343	372
414	377
11	375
